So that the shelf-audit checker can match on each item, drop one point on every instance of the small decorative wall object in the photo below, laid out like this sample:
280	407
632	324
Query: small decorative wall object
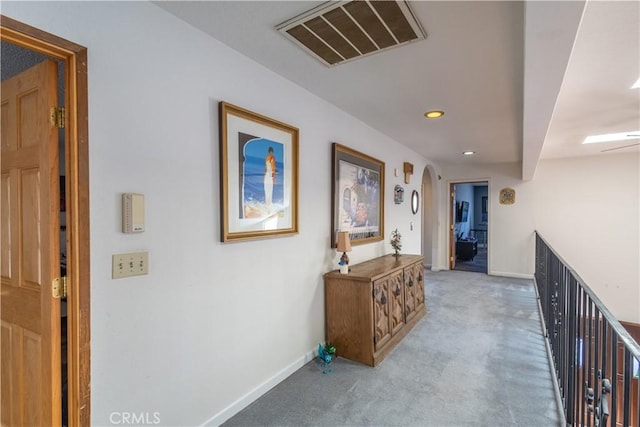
408	171
258	175
398	194
358	196
415	202
507	196
396	241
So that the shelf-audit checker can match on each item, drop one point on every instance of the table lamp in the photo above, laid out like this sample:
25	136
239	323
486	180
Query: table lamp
344	246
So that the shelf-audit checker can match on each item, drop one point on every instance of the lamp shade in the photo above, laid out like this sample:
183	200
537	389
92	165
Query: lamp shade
344	244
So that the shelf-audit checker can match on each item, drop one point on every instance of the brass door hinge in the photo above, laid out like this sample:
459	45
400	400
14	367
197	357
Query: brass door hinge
57	117
59	287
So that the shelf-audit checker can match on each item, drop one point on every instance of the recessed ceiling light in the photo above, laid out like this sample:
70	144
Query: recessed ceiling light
434	114
636	85
469	153
609	137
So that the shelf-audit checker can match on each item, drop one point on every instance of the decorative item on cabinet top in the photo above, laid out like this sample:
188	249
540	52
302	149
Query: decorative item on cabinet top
344	246
396	241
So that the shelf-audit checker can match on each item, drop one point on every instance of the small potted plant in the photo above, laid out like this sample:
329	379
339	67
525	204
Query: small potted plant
326	354
396	241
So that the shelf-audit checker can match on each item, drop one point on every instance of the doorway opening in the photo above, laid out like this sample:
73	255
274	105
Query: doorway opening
469	226
68	233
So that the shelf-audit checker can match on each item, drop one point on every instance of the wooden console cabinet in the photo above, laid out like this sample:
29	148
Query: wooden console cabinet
369	310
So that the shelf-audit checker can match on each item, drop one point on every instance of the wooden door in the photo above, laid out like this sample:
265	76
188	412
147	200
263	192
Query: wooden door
30	391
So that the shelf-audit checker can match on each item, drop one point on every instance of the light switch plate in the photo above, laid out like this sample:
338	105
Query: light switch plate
130	264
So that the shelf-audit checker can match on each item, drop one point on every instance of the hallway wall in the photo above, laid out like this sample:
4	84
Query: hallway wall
588	211
511	227
212	326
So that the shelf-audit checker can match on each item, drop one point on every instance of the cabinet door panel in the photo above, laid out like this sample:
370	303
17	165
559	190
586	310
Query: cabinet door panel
382	333
396	290
409	293
418	269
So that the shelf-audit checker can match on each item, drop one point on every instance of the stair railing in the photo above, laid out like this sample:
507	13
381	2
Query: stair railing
595	359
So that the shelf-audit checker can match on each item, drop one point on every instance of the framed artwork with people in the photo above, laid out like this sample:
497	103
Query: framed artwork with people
258	175
358	196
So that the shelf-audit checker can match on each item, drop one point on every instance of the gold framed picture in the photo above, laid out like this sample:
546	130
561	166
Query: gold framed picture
358	196
258	175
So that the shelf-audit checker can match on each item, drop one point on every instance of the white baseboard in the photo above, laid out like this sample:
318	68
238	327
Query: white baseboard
513	275
261	389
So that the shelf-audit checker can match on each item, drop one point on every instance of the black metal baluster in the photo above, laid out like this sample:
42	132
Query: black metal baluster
590	375
575	318
583	376
628	372
572	342
596	350
614	380
563	332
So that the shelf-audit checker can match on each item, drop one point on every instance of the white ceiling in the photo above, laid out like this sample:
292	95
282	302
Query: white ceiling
518	81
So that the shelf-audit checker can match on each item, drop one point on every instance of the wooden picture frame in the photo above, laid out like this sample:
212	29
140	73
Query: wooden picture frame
357	189
258	175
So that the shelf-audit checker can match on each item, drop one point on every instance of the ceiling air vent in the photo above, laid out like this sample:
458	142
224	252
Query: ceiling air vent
337	32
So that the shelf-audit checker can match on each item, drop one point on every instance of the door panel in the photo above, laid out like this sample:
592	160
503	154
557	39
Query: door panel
418	274
382	333
396	298
29	255
409	293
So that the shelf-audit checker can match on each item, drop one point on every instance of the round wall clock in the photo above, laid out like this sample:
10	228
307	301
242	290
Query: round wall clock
415	201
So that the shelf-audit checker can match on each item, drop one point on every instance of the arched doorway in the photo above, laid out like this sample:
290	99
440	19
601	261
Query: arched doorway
429	222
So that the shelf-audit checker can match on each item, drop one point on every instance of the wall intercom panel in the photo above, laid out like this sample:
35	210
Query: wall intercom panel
132	213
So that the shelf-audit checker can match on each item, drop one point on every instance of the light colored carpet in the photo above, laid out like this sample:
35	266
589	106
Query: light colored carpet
477	358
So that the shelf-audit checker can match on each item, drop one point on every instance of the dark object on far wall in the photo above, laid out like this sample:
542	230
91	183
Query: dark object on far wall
462	213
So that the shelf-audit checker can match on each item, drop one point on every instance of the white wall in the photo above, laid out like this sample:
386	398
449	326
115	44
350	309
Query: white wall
511	227
213	325
587	210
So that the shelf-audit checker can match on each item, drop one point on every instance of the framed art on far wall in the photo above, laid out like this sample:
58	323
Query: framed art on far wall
357	192
258	175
